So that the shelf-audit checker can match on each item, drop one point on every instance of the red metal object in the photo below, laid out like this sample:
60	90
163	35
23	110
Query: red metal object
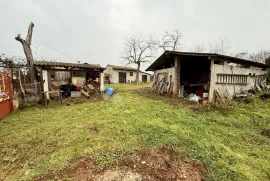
6	106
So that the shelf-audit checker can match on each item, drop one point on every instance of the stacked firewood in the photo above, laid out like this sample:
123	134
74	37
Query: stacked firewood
161	85
222	96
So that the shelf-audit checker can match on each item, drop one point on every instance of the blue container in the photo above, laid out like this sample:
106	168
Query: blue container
109	91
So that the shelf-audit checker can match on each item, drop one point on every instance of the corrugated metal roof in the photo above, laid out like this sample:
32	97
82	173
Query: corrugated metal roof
233	59
64	64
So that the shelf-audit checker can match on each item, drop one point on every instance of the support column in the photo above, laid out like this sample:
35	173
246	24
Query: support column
212	83
101	81
45	82
176	77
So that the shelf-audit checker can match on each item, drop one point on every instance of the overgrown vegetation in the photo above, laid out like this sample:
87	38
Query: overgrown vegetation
232	142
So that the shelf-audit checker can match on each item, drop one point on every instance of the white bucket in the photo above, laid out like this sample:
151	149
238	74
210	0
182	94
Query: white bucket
205	95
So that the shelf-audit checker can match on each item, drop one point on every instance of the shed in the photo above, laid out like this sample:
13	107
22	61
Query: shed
205	72
56	73
121	74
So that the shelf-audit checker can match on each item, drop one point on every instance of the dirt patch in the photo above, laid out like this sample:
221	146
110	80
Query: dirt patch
160	164
147	164
265	132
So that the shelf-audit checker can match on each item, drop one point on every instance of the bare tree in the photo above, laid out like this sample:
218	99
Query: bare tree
242	55
199	48
170	41
221	47
27	51
138	50
260	56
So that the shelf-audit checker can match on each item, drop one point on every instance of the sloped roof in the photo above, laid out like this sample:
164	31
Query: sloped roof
116	67
164	56
64	64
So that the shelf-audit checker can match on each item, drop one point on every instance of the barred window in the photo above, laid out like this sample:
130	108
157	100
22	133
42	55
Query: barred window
232	79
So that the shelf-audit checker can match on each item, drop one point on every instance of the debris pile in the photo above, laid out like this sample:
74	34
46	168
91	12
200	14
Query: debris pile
90	88
3	96
161	85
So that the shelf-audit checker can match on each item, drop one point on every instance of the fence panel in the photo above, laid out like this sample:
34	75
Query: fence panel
6	102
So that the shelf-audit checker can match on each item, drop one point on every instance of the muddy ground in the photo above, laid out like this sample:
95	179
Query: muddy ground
147	164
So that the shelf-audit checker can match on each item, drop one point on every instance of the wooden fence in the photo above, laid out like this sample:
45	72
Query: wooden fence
6	102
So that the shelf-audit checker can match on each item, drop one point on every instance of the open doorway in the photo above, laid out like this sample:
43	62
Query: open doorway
194	76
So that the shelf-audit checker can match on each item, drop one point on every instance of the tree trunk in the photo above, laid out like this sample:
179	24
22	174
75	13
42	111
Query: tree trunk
28	52
30	62
137	73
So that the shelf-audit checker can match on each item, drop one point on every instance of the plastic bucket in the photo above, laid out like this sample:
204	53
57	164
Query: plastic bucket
109	91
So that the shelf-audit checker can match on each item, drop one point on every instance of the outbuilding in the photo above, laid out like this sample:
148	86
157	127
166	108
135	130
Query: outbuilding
205	72
54	74
120	74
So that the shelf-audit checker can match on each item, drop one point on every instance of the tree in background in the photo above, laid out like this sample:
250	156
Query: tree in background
199	48
138	50
267	62
260	56
170	41
222	46
28	52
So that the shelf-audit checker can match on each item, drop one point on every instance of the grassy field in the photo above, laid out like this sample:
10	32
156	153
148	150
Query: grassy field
227	140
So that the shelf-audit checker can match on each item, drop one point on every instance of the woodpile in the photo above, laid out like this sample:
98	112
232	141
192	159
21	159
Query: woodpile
222	96
161	85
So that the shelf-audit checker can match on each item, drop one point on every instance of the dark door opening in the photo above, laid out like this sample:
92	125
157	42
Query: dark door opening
144	78
122	77
195	75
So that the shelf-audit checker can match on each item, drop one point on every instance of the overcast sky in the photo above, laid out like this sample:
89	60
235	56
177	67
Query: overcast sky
93	31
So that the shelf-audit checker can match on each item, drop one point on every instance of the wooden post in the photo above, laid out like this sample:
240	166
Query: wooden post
36	90
10	94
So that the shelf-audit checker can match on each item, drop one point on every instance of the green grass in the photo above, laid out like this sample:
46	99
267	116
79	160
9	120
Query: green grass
227	140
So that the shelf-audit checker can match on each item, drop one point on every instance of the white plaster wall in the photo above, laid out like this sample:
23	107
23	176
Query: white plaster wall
46	82
140	76
114	75
232	89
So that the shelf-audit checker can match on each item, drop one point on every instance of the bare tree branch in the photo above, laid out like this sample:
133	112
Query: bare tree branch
28	39
221	47
199	48
170	41
18	38
137	50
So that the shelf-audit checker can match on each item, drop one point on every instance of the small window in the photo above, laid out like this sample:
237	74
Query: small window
131	74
